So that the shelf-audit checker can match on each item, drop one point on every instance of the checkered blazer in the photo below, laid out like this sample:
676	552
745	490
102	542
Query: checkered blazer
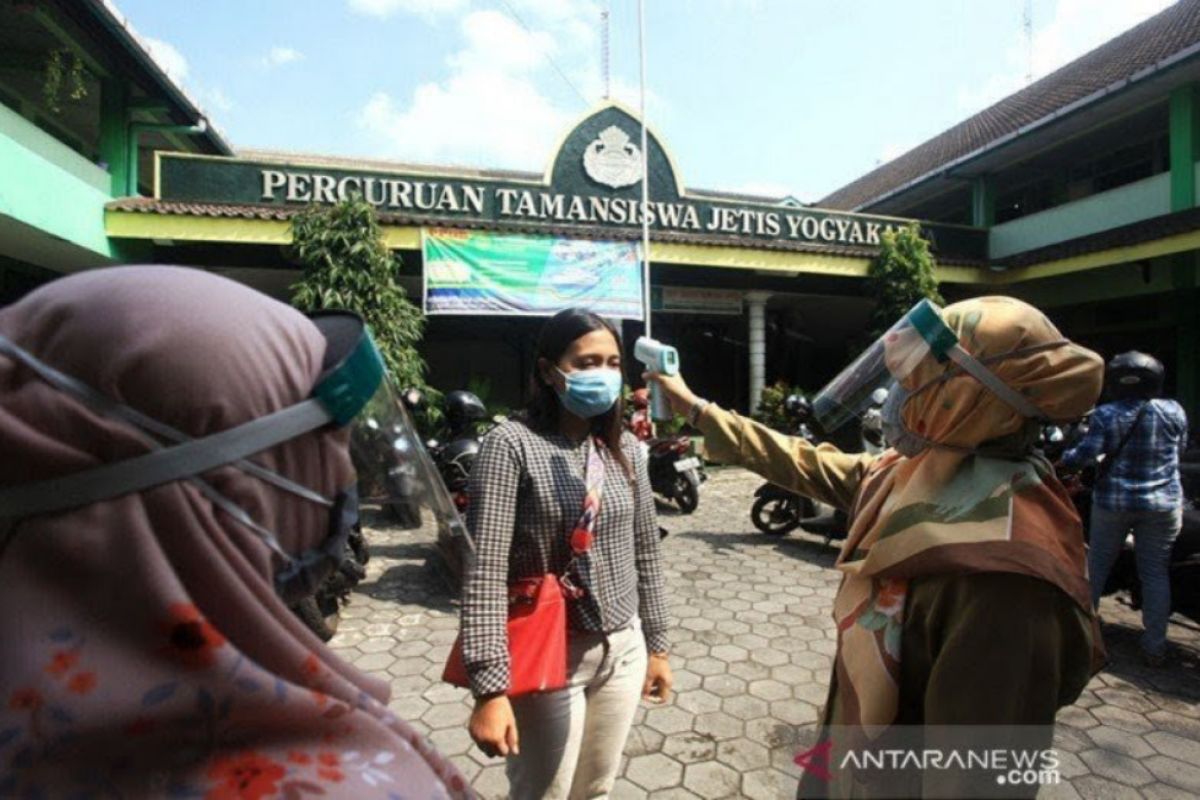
526	495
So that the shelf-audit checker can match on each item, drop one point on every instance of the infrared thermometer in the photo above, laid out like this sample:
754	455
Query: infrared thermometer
661	358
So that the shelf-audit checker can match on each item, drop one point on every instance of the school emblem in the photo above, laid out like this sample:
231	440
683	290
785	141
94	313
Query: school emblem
613	159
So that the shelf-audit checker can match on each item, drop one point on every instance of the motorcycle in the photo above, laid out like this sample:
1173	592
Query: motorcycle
778	511
322	611
675	474
454	457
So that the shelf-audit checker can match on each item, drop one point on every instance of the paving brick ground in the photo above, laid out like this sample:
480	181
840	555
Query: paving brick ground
752	648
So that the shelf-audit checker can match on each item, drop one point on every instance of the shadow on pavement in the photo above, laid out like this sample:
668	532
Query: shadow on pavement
798	545
1175	678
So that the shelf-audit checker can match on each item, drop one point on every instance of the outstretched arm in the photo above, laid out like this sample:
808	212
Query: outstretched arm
821	471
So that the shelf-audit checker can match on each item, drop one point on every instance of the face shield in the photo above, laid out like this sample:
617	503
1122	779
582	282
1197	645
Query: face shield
918	335
394	468
890	360
353	391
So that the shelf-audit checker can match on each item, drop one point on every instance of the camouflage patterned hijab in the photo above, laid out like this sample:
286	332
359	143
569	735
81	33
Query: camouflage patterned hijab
980	502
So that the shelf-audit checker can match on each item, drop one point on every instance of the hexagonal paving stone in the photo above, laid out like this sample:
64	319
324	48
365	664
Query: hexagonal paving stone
624	790
491	782
643	741
408	666
795	712
749	670
376	645
686	679
770	690
1118	741
733	627
698	701
743	755
725	685
1175	772
718	725
1093	787
1129	721
712	780
669	720
411	649
766	784
452	741
706	666
745	707
677	793
447	715
750	641
1187	750
690	747
1129	700
1117	767
729	653
1077	718
698	624
408	707
375	662
770	657
691	649
654	772
771	733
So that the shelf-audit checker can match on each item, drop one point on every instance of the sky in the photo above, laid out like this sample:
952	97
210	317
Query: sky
777	97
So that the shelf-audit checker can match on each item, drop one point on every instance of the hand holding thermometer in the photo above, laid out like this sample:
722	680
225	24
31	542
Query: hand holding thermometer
660	358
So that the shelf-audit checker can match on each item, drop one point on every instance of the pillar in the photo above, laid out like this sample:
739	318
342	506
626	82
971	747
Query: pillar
114	134
983	202
1185	145
756	306
1185	149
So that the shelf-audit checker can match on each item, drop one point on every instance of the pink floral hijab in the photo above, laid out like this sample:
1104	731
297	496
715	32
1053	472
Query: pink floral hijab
143	651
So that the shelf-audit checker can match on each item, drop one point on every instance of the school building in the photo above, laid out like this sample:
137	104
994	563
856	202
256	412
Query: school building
1077	193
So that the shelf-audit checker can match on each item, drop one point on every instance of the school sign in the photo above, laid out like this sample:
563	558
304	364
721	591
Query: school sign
592	187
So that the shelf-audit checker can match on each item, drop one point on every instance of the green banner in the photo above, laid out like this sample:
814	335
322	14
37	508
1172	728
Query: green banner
472	272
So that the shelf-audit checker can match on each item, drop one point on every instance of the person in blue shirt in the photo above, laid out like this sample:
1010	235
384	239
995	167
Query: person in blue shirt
1138	439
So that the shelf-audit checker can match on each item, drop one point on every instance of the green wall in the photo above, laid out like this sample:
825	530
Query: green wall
48	186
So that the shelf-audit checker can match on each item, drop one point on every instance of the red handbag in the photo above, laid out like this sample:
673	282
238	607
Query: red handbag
537	609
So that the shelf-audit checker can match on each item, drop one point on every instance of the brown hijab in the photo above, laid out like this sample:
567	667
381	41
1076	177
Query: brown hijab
143	651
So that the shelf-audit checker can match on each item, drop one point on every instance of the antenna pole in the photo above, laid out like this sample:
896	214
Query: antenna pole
604	52
645	169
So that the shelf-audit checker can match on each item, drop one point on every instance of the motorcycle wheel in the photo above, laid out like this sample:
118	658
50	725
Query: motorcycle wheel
687	496
322	624
772	516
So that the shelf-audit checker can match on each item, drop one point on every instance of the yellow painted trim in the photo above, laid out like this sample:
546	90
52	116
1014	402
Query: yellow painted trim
1103	258
184	228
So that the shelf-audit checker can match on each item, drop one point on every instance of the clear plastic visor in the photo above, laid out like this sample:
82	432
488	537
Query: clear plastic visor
394	468
919	334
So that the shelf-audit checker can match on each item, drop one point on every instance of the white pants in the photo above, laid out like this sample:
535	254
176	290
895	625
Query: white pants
571	740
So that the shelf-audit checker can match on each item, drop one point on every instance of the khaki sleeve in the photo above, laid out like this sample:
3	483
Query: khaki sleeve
822	472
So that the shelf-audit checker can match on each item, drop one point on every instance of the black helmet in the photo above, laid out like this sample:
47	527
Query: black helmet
798	406
456	460
463	408
1135	375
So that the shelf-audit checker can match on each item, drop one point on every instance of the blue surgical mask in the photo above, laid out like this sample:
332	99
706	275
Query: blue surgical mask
590	392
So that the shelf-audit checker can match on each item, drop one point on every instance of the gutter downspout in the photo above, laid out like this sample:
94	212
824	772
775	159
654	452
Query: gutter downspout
138	128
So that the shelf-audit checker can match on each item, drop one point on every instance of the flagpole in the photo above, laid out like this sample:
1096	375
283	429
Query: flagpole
645	169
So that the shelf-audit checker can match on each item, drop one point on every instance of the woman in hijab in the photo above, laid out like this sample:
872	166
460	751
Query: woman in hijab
144	651
964	598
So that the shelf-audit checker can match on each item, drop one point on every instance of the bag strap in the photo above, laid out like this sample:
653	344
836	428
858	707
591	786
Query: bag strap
583	535
1108	463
